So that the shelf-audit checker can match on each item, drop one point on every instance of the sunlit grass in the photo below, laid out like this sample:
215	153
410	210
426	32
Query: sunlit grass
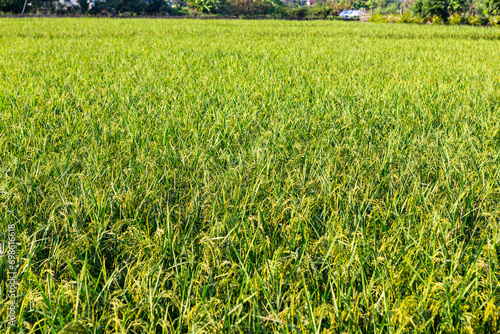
185	176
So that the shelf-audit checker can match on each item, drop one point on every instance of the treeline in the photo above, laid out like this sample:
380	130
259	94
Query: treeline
452	12
414	11
239	8
457	11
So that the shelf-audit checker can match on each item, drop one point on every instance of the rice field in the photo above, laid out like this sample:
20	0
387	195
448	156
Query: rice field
207	176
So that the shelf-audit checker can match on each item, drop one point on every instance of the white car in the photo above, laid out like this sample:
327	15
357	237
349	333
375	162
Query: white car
349	14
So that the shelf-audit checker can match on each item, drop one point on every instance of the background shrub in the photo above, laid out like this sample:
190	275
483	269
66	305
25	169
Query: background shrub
406	18
474	21
455	19
377	18
435	20
11	6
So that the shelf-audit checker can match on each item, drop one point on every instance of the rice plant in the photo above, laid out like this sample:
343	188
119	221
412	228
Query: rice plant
190	176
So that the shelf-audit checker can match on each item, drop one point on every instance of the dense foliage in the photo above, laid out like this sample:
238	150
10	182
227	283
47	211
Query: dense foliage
429	8
453	12
493	7
466	9
188	176
243	8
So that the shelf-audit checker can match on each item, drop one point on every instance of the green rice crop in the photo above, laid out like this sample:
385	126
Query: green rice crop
192	176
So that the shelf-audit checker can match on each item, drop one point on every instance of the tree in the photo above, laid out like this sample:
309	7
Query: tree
358	4
84	6
204	6
156	7
428	8
133	6
250	7
416	8
457	6
11	6
492	7
324	9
